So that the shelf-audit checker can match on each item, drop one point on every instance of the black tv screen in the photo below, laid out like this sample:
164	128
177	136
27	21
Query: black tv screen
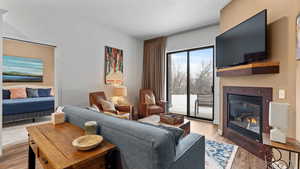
245	43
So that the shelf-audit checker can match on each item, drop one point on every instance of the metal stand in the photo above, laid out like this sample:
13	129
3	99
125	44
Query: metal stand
273	163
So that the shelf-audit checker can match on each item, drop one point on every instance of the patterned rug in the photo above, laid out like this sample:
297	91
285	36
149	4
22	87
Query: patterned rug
219	155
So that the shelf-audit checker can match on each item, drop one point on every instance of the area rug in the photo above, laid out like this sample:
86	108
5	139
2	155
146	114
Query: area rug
219	155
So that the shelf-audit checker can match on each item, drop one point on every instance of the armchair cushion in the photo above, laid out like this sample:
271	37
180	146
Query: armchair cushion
155	109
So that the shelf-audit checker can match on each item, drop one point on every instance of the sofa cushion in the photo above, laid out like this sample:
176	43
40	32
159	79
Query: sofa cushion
18	93
44	92
5	94
32	93
27	105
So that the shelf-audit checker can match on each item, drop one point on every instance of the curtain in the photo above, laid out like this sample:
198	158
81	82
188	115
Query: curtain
154	66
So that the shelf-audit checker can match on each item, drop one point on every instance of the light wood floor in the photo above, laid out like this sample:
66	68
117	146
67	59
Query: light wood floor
15	157
243	159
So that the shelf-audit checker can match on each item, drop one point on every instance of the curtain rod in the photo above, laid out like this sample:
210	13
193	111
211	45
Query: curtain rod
29	42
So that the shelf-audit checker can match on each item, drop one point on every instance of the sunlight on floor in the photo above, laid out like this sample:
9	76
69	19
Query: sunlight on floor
15	133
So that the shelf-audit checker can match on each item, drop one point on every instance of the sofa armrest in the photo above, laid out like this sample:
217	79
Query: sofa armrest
162	102
190	152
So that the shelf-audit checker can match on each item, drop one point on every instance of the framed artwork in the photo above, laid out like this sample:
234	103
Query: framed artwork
113	66
298	39
22	69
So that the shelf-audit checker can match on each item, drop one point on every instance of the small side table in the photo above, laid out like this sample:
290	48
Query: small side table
52	146
292	146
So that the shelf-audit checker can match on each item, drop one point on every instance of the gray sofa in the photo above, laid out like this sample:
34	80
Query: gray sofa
142	146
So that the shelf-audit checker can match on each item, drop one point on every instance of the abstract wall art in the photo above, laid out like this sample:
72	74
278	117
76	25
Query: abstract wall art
113	66
22	69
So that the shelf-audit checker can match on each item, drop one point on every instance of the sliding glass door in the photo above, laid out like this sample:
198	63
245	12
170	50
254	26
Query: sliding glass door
177	86
190	82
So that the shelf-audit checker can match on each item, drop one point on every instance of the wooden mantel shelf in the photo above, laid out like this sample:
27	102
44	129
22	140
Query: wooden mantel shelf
250	69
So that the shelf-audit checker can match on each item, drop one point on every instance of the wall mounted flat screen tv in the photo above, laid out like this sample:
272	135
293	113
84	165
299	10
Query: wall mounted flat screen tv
245	43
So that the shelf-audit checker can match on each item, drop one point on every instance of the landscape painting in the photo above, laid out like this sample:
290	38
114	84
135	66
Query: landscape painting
113	66
22	69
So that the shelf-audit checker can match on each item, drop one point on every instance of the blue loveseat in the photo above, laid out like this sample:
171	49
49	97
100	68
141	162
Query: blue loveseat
142	146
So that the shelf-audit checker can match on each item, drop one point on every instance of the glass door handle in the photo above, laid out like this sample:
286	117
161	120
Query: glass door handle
212	88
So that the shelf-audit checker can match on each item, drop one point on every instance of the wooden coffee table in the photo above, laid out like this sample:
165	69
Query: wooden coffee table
52	146
155	119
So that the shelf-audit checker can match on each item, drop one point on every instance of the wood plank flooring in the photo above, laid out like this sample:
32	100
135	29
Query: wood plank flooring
243	159
15	157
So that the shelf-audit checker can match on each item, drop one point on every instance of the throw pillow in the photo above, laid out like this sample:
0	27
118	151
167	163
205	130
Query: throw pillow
150	99
5	94
31	93
177	133
18	93
44	92
108	106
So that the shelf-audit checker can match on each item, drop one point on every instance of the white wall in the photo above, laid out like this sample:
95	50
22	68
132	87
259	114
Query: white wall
1	53
79	56
194	39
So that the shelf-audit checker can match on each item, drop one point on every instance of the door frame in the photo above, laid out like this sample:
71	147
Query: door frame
188	79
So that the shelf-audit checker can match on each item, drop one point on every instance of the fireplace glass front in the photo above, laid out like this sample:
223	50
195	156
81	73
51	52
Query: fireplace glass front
245	115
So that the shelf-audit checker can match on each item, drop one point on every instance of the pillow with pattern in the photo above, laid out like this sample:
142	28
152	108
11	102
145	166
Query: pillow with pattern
108	106
150	99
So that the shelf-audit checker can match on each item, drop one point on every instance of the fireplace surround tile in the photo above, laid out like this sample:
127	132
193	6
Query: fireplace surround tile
254	146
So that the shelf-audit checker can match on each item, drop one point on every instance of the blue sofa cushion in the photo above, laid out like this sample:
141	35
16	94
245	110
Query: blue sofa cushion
32	93
44	92
5	94
177	133
19	106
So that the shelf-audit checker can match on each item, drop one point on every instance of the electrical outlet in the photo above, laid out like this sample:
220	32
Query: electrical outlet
281	94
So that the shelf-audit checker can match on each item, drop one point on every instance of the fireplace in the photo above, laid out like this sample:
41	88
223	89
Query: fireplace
246	116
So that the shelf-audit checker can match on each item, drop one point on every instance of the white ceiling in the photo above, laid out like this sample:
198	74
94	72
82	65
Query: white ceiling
142	19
